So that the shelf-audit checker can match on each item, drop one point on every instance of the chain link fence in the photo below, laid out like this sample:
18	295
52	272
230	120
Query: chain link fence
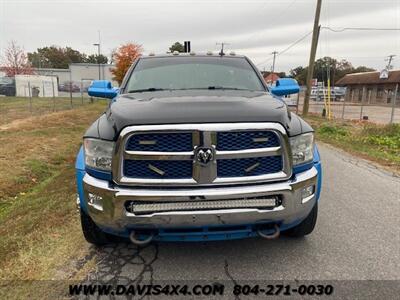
37	99
357	107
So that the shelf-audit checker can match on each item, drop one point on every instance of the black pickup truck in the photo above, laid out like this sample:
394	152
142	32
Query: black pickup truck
196	148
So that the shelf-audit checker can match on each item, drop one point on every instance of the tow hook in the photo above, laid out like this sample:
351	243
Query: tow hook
270	236
134	239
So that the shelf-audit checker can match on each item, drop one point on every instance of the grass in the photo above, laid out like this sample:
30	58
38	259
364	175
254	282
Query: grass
39	226
13	108
379	143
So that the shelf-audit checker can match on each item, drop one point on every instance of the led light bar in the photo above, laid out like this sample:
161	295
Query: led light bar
138	208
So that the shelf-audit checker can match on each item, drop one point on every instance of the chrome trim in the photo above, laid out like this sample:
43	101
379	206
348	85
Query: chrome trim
203	135
259	152
153	155
155	169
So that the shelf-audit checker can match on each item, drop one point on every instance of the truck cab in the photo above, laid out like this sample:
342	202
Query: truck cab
196	148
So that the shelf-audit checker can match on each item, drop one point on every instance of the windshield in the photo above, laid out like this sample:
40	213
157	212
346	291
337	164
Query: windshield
177	73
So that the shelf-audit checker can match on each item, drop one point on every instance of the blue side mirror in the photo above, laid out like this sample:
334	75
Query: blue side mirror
285	86
102	89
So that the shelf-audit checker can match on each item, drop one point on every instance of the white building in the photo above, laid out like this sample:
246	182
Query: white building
80	74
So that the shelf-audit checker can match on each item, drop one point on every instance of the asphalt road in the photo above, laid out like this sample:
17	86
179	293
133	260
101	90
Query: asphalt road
357	237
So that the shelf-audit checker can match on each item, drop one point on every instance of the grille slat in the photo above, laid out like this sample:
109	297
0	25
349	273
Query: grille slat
163	142
241	140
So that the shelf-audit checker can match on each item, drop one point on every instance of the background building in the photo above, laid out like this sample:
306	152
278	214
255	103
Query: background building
371	87
79	74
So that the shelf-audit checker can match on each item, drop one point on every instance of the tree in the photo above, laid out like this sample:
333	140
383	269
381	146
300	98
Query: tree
123	58
16	61
361	69
300	74
337	70
96	59
55	57
177	47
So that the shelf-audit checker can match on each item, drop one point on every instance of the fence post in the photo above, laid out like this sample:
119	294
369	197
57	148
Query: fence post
362	103
394	103
297	102
30	96
82	91
369	96
54	94
344	104
70	86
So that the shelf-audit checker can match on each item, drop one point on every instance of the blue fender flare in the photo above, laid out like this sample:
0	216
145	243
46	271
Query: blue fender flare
80	173
318	166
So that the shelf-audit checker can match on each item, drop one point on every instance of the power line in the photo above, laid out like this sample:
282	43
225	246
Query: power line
360	29
333	30
286	49
295	43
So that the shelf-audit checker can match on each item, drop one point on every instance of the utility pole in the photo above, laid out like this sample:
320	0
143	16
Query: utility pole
98	55
389	60
222	47
311	62
273	62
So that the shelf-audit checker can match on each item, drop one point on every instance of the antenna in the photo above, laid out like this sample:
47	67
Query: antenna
222	44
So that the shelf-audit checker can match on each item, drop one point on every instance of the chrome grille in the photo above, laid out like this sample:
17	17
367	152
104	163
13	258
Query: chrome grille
238	153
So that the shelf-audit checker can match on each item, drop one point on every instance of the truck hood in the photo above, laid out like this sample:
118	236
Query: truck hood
178	107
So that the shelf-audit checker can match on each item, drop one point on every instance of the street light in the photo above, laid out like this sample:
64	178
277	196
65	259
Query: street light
98	56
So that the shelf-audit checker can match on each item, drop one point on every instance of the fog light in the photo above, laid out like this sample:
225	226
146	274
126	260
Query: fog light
307	193
95	201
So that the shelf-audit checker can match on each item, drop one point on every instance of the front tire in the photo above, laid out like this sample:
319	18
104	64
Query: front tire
92	233
306	226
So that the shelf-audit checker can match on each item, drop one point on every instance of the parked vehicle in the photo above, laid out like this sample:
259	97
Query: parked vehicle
321	94
7	86
67	86
196	148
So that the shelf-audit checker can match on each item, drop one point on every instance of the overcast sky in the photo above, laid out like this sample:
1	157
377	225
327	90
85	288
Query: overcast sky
253	28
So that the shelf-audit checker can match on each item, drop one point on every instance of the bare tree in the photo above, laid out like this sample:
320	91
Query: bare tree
15	60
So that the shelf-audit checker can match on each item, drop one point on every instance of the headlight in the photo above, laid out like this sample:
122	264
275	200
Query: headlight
98	153
302	148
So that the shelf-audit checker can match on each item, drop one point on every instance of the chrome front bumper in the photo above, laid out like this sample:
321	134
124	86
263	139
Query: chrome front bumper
105	204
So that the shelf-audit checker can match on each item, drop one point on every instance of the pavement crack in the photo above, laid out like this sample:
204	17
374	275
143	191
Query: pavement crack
125	264
228	274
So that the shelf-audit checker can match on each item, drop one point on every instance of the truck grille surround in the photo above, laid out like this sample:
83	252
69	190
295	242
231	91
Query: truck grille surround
202	154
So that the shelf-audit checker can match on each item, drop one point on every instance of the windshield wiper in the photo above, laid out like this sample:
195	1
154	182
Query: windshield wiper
146	90
226	88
